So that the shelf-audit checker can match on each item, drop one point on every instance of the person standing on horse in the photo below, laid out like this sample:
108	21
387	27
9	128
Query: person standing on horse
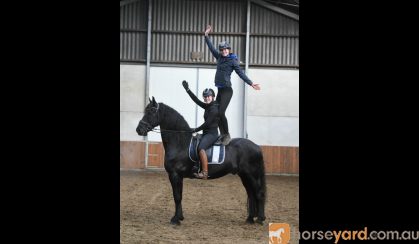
226	63
209	127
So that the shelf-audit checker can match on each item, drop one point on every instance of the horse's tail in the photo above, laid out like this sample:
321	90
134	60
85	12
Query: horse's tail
252	172
262	176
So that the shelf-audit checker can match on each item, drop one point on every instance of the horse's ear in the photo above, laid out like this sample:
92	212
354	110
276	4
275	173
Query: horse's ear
154	101
149	99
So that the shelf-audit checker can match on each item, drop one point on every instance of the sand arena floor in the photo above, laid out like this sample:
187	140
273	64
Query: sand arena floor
214	210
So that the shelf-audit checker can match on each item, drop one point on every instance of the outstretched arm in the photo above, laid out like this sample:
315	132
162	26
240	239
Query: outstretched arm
194	98
214	51
243	76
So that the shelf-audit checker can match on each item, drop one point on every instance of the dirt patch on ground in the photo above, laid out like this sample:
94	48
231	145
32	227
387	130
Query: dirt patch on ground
214	210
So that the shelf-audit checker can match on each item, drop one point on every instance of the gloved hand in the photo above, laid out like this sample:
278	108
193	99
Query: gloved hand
185	85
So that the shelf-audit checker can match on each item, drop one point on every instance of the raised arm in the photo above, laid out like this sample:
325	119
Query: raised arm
214	51
194	98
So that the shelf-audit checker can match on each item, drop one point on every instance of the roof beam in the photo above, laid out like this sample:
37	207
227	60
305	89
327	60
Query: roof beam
125	2
277	9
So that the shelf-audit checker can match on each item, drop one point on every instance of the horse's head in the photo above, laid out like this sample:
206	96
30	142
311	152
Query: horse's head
150	119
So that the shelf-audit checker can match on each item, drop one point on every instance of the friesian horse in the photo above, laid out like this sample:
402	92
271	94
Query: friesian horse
243	157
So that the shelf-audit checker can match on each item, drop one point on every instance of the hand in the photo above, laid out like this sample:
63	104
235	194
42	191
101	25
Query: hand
193	130
208	30
185	85
256	86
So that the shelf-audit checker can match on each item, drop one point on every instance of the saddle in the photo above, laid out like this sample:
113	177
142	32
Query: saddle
215	154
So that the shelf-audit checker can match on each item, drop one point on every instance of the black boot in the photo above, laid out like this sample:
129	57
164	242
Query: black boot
226	139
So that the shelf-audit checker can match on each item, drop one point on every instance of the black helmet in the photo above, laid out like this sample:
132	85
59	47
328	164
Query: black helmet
224	45
208	92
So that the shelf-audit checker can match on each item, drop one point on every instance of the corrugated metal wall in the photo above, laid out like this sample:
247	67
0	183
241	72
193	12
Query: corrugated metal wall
273	38
178	26
133	31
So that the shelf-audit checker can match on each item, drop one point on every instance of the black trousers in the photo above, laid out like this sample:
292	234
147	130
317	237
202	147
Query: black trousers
223	99
207	140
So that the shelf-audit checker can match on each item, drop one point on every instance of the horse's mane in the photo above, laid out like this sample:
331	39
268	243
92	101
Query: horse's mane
174	127
173	119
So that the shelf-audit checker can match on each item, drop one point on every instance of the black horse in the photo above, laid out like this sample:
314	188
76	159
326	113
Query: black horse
243	157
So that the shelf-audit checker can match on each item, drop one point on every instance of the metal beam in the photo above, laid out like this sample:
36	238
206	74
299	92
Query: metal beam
147	73
277	9
246	69
125	2
212	34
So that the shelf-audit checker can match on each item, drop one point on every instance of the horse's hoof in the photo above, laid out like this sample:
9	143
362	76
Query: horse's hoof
250	220
174	221
181	218
259	221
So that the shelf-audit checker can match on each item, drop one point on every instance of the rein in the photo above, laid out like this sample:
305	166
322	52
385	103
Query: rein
178	131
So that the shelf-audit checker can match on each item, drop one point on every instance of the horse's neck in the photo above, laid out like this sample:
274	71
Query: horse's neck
174	130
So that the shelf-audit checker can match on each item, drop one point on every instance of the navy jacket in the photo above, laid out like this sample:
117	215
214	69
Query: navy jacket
225	66
211	115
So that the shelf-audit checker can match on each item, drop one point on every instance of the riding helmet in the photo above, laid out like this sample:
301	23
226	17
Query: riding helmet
223	45
208	92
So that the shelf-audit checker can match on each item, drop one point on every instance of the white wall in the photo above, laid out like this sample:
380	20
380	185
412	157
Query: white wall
273	112
132	84
166	86
234	112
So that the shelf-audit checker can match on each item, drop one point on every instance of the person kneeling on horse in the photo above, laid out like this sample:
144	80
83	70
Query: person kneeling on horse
209	127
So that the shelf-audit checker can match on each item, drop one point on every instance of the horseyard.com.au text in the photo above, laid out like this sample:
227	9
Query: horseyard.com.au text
280	233
364	234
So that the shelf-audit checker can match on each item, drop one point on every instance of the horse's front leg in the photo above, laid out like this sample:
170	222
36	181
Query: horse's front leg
177	187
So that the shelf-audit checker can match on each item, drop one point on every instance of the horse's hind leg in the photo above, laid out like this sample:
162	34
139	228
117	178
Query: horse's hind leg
259	187
251	201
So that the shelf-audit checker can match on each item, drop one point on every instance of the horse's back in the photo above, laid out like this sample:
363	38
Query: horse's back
243	144
243	151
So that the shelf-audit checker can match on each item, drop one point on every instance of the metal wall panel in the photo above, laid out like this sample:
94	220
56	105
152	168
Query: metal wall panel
273	38
178	26
133	31
265	21
132	46
177	48
194	15
282	51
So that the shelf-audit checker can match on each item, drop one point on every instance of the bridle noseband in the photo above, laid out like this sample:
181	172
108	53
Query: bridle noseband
148	126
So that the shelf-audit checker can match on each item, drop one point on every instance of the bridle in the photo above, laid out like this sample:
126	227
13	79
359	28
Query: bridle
148	126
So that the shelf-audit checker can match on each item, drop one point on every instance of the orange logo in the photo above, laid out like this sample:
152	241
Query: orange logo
279	233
